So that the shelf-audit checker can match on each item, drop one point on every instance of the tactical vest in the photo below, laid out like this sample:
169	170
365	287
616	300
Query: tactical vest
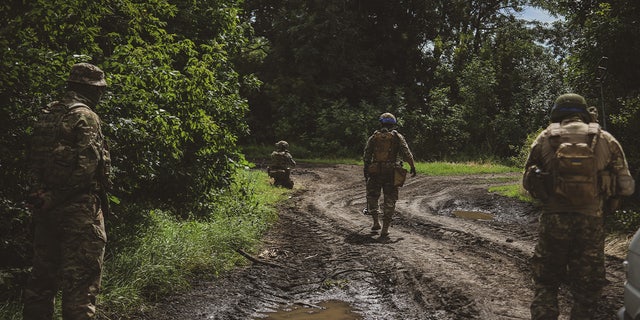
385	152
385	146
50	156
574	166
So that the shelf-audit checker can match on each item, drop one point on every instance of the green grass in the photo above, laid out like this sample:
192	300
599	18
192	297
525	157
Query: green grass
172	252
462	168
512	191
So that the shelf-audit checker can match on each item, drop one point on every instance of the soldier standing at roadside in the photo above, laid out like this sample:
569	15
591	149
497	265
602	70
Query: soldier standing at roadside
69	166
578	171
383	156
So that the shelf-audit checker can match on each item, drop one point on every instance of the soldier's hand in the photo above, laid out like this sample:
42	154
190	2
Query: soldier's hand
611	205
413	171
39	200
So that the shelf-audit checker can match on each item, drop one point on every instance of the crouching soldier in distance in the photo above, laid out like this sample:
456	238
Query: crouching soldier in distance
578	171
383	155
281	164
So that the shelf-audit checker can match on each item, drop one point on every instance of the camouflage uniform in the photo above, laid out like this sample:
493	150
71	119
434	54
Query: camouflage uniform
384	179
570	246
281	164
66	157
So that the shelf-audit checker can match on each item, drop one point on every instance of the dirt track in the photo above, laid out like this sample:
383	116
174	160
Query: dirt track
435	265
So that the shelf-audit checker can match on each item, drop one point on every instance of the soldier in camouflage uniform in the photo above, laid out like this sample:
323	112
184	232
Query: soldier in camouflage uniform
384	152
281	164
578	171
69	164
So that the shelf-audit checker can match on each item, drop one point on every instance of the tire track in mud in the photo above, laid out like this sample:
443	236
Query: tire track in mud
447	258
435	266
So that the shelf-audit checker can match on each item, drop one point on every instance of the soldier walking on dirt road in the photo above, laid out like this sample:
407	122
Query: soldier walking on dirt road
579	172
383	156
69	166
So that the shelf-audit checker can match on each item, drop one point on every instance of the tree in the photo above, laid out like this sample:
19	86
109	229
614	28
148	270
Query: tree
173	109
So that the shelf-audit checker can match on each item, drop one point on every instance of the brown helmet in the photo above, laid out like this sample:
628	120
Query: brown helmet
282	145
86	73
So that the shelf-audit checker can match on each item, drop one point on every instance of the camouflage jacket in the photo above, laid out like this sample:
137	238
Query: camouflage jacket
610	162
67	151
281	160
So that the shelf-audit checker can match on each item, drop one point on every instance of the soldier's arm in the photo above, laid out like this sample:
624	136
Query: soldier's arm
368	152
292	163
84	152
625	185
405	151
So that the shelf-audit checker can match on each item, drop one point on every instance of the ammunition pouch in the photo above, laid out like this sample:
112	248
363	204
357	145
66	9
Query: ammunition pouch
399	176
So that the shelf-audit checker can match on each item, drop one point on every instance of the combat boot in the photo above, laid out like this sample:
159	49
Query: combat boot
385	229
376	223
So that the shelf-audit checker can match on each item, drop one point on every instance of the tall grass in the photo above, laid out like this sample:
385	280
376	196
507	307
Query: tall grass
169	252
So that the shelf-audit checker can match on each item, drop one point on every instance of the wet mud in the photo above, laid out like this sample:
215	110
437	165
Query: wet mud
455	251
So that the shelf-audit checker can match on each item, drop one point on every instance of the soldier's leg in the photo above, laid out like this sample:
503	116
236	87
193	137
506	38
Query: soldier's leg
373	195
41	289
289	182
389	207
548	266
586	267
83	254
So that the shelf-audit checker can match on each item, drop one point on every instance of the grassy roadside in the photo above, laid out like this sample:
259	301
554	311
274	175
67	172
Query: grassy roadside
170	252
160	255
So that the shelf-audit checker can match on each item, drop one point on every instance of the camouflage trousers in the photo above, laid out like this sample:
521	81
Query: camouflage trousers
570	250
281	177
377	184
69	248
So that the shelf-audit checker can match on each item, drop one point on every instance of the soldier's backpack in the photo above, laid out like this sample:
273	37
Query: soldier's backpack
385	151
43	142
575	171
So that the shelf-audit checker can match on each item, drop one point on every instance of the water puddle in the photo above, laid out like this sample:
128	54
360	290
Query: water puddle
473	215
328	310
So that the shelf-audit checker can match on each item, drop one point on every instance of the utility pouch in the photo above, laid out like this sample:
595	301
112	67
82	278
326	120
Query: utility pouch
374	168
399	176
536	182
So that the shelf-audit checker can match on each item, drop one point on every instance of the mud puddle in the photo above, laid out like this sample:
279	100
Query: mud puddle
473	215
328	310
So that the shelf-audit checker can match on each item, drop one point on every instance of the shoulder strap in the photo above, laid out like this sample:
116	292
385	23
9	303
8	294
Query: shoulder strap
76	105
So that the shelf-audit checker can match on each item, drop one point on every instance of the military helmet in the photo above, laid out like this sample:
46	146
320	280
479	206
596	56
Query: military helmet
387	118
86	73
282	145
569	104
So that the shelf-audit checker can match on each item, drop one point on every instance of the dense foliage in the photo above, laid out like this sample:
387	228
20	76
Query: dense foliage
173	110
466	78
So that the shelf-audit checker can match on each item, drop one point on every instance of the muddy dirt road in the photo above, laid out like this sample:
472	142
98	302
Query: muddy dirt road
437	264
